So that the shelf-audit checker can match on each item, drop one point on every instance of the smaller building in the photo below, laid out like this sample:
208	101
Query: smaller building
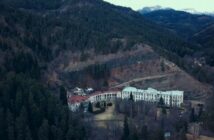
89	90
78	91
75	101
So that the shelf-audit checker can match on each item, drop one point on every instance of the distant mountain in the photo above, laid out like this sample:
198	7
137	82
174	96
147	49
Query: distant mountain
146	10
193	11
182	23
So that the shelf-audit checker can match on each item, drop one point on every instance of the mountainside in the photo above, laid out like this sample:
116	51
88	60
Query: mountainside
194	28
46	36
180	22
146	10
206	38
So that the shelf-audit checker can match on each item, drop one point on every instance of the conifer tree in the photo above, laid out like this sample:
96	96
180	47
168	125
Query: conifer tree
10	126
144	132
63	95
21	124
90	107
43	133
131	98
126	132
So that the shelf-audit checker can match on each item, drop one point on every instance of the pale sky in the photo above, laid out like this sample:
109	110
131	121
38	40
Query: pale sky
198	5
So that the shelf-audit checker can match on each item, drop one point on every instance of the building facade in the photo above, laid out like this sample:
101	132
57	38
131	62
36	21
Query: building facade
170	98
104	96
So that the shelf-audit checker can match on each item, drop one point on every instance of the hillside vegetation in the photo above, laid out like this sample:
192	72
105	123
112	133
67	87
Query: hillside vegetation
197	29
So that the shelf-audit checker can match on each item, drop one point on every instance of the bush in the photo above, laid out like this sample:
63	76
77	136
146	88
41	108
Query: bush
109	104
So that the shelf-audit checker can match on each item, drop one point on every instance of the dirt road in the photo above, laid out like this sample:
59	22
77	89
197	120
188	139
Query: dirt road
142	79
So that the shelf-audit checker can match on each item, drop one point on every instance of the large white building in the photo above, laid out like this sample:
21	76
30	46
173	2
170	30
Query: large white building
171	98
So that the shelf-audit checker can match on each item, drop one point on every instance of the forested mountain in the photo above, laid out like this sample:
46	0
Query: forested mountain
35	33
206	38
180	22
193	28
146	10
43	34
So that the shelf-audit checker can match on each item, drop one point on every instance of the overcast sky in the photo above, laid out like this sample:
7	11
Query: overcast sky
198	5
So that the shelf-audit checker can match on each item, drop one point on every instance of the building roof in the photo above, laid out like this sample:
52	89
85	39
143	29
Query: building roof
77	99
105	92
152	91
130	89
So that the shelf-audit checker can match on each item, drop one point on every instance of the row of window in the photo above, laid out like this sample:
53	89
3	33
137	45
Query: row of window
105	96
153	96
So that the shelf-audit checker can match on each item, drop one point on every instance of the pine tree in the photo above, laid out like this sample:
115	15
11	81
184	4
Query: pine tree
21	123
131	98
90	107
135	136
209	117
10	126
161	102
63	95
159	134
70	134
162	66
192	115
125	129
144	132
28	135
2	124
43	133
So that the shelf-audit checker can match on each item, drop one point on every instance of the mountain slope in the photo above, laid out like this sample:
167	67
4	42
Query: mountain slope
77	26
58	38
147	10
182	23
206	38
194	28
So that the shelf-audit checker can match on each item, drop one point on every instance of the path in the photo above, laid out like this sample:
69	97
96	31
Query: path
142	79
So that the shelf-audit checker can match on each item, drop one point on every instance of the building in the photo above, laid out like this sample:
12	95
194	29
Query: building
171	98
104	96
78	91
75	101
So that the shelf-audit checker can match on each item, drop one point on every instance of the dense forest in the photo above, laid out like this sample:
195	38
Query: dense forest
28	111
197	29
